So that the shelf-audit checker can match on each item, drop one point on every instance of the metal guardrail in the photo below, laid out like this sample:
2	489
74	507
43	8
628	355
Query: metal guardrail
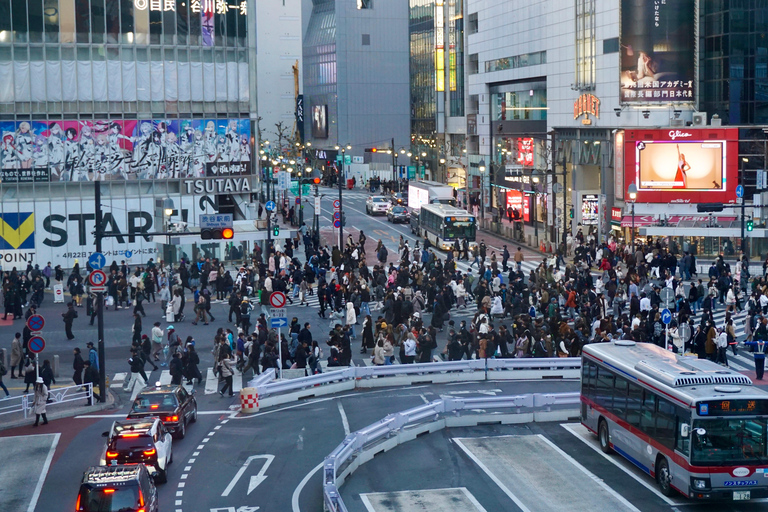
25	403
368	376
343	458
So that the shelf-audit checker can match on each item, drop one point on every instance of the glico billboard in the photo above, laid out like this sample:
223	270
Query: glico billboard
682	165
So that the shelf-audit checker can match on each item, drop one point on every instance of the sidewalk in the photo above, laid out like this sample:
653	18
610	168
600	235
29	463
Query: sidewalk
56	411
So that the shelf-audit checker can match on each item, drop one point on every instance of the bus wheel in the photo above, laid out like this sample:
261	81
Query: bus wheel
603	437
664	477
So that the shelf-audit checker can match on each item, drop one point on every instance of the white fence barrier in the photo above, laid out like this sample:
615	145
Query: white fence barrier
395	429
26	403
279	392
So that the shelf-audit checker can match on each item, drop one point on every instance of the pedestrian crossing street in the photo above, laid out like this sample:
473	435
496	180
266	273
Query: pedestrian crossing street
163	378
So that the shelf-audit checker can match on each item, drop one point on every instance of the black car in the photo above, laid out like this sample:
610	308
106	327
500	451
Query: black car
111	488
140	441
172	404
399	199
398	214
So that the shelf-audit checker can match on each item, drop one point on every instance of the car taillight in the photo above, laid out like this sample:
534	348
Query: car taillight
129	435
171	418
141	499
77	506
108	491
111	455
149	453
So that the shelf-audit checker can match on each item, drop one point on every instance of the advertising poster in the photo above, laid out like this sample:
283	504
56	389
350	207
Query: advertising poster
590	214
42	151
320	121
657	51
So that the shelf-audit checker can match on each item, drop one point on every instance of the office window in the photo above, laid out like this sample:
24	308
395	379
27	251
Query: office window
611	45
98	21
83	20
472	23
366	39
127	30
585	44
19	19
365	4
35	12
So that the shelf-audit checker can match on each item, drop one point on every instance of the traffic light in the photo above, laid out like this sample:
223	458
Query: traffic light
750	225
570	212
709	207
316	181
217	233
276	231
371	150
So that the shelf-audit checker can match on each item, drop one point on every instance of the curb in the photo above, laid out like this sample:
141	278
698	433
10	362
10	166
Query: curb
111	402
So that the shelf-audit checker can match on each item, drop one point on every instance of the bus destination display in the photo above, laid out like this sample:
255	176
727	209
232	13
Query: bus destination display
732	407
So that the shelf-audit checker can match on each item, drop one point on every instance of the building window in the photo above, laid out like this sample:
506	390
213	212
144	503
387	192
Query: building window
366	39
585	45
365	4
473	64
472	23
611	45
516	61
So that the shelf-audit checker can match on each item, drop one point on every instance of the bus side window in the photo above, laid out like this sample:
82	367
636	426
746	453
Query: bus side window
620	397
683	443
588	373
666	422
648	415
604	389
634	404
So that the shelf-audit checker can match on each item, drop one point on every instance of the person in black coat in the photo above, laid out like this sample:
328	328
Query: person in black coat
91	376
192	370
77	366
46	372
177	369
146	350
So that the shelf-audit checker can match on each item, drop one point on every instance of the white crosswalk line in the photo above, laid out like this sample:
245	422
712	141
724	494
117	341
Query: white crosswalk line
138	385
165	378
211	382
237	380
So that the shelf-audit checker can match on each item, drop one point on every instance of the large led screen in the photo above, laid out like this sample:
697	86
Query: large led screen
685	166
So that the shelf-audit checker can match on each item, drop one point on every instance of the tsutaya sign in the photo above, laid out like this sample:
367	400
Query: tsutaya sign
585	105
217	185
204	6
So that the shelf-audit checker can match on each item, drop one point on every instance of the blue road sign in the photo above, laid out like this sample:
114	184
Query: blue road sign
277	322
270	206
739	191
532	312
666	316
337	223
97	261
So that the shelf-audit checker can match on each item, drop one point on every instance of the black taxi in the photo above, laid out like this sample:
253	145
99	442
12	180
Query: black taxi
174	405
124	488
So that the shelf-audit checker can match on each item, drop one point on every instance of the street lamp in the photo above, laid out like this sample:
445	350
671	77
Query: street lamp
632	193
481	167
343	150
535	183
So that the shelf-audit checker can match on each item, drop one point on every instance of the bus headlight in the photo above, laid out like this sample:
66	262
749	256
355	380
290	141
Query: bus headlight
700	484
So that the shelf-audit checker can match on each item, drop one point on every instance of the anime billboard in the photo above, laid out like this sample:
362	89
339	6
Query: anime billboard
42	151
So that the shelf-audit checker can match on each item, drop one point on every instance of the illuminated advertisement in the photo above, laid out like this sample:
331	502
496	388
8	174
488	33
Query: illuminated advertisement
525	151
589	210
520	203
682	165
320	121
657	51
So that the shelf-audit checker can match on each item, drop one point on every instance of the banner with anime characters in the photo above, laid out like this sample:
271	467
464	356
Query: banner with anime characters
42	151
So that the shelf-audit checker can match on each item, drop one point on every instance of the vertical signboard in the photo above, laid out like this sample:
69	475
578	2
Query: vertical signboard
657	44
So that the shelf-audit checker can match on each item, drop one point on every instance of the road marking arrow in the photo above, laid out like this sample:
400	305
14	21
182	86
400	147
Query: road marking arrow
256	480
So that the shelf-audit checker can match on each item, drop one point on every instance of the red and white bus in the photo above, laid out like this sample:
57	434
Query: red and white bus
694	426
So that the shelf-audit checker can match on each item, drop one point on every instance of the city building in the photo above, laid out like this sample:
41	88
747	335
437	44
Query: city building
355	61
154	100
571	102
438	122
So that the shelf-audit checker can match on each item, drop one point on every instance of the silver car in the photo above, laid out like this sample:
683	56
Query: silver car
377	205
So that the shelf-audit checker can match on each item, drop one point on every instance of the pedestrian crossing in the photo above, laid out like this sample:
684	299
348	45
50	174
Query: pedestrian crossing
122	381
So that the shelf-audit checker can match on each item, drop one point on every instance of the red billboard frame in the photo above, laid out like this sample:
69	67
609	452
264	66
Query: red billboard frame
685	134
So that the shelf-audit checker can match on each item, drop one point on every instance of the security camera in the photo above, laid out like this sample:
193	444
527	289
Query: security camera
617	111
646	114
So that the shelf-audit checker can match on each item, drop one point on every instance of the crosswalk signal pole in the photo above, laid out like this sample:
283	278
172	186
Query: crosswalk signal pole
100	299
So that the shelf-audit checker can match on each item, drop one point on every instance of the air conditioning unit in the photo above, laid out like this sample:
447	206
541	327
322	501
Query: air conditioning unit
676	123
699	119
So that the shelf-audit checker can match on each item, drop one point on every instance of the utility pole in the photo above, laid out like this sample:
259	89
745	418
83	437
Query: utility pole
341	187
100	299
269	174
395	174
743	208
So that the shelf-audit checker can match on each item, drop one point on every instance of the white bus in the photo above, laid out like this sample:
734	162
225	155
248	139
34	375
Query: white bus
443	224
694	426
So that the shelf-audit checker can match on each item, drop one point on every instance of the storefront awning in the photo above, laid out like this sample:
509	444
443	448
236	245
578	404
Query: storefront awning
640	220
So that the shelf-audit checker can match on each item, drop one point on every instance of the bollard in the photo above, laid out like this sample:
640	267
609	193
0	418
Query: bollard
56	366
249	401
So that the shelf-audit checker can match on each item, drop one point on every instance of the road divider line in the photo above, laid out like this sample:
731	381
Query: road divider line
43	473
302	484
344	420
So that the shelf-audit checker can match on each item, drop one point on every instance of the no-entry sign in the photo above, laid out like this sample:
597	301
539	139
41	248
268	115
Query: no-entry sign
277	300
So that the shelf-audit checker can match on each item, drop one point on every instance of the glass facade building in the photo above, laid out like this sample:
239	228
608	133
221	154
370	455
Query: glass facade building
733	52
421	27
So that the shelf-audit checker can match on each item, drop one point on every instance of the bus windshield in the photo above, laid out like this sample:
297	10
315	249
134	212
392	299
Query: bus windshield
727	442
460	228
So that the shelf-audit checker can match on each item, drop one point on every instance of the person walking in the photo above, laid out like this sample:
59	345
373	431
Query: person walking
176	368
146	351
41	398
192	370
77	365
93	356
91	376
69	317
136	330
157	342
3	372
29	374
137	368
16	355
46	372
225	374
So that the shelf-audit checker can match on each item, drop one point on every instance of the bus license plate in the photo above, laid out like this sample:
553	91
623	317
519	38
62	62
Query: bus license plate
741	495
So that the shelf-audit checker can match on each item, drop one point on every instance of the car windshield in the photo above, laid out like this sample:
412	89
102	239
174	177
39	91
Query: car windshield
131	444
380	200
113	499
729	441
154	402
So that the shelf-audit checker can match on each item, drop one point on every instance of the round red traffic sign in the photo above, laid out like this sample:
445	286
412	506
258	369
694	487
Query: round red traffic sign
336	204
277	300
337	223
97	278
36	344
36	323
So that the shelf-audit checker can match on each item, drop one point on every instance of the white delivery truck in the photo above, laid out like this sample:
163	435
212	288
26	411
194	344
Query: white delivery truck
429	192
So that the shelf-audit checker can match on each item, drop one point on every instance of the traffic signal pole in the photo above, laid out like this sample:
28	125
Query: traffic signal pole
268	173
100	299
341	187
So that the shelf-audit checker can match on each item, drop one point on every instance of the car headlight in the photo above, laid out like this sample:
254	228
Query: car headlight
700	484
